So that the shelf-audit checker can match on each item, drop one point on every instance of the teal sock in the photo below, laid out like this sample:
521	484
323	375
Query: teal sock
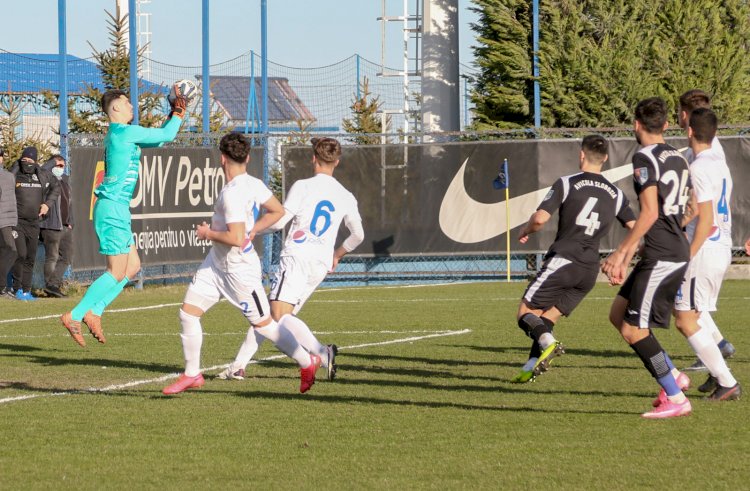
98	290
98	308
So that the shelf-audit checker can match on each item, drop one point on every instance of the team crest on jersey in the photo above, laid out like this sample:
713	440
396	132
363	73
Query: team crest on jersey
549	194
299	236
641	175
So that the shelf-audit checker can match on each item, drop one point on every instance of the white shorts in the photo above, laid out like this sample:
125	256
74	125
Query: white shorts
702	283
242	288
296	280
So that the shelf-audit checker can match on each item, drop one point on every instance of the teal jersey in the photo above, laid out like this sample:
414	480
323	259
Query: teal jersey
122	156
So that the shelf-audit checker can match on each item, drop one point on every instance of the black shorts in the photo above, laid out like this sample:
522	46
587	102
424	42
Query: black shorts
560	283
650	290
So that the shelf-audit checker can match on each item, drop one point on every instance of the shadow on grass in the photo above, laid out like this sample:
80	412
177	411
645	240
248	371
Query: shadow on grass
49	361
425	404
16	348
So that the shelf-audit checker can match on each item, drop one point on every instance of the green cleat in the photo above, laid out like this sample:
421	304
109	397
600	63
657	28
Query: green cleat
523	377
542	365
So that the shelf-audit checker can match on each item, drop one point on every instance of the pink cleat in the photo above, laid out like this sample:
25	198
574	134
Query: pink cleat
683	382
669	409
184	383
307	375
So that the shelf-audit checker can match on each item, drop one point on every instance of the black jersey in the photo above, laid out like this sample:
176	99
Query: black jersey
664	166
588	205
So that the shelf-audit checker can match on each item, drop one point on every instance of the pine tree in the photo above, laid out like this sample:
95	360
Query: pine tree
11	109
84	112
598	58
365	123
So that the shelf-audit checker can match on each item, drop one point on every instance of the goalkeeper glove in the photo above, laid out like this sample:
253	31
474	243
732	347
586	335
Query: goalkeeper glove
179	104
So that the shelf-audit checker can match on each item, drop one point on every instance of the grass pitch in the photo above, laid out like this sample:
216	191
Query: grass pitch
422	400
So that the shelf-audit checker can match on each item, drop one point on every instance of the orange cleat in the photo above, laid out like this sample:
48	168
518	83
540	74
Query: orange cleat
73	327
307	375
184	383
94	323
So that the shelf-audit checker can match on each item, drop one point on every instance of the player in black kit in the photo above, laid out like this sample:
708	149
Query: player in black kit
662	183
588	205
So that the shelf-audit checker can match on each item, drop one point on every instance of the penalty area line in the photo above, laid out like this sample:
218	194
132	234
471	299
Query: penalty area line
170	376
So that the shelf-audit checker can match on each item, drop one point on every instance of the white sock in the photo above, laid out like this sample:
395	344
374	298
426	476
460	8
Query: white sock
545	340
705	321
530	364
248	349
704	346
192	340
285	342
304	336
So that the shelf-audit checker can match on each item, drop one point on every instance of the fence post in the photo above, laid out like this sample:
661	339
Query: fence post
133	37
62	33
206	75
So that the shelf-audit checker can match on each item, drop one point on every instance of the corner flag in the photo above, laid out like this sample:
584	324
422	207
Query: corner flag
502	181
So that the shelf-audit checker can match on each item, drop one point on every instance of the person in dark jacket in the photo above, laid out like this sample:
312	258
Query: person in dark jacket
37	190
57	231
8	222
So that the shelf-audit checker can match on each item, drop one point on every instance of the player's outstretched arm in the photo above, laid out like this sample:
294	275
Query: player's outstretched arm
273	213
535	224
154	136
616	264
356	237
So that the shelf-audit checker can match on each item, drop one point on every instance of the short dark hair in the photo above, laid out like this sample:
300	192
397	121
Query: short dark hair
2	152
235	146
652	114
703	122
109	97
693	99
327	150
57	157
595	147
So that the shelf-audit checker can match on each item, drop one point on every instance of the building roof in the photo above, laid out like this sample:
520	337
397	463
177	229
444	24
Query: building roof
31	73
232	94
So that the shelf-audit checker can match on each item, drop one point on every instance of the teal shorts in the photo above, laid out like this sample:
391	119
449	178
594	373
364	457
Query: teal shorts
112	227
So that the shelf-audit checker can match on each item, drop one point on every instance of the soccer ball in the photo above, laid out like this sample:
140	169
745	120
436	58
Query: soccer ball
187	88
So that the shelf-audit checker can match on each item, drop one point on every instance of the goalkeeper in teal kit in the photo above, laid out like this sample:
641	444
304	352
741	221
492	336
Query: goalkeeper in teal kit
122	156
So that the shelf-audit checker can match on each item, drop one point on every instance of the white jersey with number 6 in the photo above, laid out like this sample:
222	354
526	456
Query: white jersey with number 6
318	204
713	182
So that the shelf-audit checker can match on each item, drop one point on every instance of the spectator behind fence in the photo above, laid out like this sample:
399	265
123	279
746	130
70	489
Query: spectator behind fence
57	231
8	222
37	190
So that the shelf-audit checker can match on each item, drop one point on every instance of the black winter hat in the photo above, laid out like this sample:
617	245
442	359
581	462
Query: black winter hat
29	152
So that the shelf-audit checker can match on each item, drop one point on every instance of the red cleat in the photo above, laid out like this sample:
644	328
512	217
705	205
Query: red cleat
94	323
307	375
683	382
73	327
669	409
184	383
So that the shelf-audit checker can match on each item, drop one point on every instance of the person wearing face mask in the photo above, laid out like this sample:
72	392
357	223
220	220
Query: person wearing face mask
57	231
8	221
37	190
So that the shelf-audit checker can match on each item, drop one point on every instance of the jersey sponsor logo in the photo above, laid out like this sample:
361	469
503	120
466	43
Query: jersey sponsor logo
466	220
641	175
98	179
632	312
299	236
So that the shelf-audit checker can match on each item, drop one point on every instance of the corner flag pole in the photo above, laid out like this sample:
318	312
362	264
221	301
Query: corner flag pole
507	218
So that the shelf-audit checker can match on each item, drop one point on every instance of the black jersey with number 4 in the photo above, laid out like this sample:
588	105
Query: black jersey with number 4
663	166
588	205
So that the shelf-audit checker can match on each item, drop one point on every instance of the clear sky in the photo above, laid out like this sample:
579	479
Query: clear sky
301	33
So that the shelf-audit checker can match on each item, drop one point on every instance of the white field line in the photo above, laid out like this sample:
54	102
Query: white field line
170	376
176	333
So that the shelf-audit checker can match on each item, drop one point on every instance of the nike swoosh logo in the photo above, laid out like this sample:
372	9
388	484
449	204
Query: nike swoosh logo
465	220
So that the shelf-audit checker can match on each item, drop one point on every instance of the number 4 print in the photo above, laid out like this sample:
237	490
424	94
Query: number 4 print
589	218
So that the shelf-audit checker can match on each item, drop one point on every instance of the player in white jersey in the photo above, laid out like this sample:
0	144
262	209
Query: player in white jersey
710	252
690	101
232	268
316	207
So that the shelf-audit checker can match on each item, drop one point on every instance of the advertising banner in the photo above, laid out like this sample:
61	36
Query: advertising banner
440	198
